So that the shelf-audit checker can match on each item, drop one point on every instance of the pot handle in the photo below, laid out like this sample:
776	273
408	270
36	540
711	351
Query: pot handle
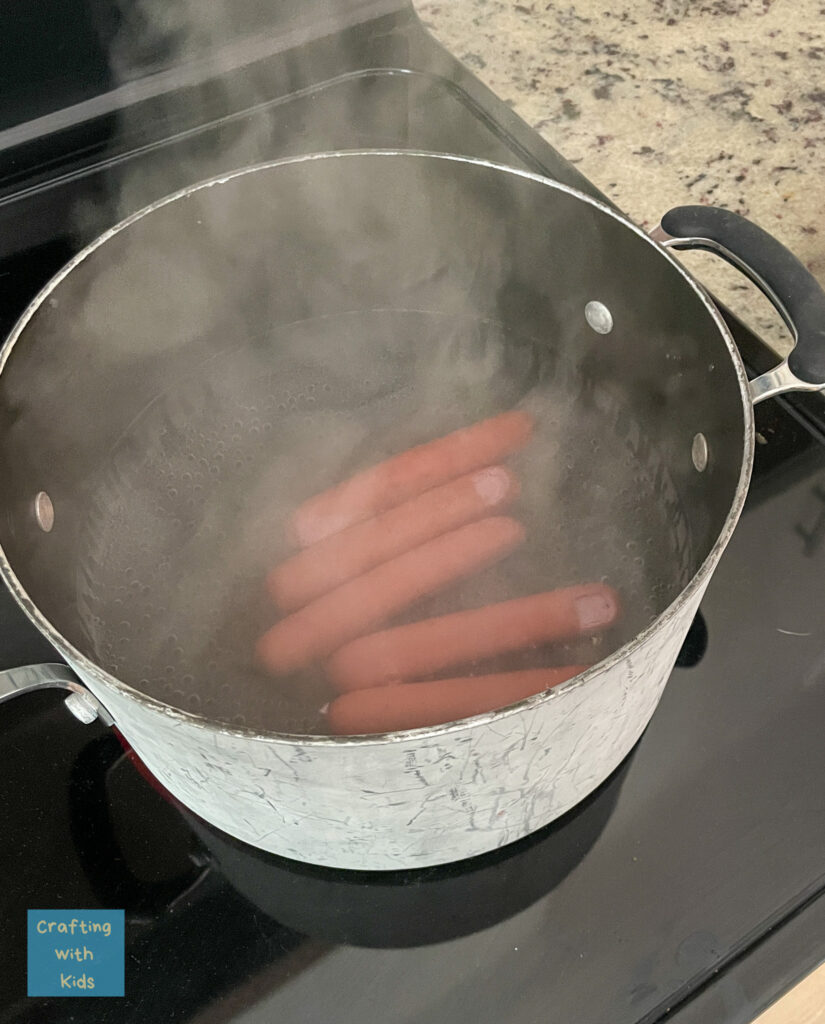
80	702
788	284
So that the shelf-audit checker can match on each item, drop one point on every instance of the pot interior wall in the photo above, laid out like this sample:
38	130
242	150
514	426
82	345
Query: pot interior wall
236	350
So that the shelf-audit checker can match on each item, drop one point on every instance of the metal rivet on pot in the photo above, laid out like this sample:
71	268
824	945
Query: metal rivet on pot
44	511
599	317
699	452
83	706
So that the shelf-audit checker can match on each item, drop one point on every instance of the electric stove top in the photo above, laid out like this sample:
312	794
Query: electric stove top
688	888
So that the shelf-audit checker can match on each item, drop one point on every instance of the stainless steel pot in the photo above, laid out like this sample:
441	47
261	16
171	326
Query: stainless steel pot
317	240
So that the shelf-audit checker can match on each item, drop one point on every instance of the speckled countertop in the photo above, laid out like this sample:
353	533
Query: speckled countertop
664	102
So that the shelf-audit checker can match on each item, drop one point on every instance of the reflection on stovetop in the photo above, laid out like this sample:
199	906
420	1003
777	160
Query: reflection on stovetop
178	878
401	909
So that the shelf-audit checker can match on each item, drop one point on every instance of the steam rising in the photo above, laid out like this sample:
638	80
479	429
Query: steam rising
251	345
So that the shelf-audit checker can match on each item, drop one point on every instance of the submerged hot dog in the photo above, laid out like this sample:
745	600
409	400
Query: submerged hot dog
410	473
360	605
415	705
432	645
353	551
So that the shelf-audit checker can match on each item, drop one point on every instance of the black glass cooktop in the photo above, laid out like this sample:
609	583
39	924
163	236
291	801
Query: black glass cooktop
688	888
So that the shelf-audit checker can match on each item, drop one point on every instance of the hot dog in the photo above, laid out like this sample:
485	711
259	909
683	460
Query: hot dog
360	605
432	645
415	705
404	476
353	551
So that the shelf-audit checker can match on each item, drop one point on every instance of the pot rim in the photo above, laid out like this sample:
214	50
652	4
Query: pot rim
86	667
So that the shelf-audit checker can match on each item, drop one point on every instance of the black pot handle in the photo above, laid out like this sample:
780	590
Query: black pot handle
794	291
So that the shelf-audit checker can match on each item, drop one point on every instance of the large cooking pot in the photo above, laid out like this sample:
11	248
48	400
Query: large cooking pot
206	363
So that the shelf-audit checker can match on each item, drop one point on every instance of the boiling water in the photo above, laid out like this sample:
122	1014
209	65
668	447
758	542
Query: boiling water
189	514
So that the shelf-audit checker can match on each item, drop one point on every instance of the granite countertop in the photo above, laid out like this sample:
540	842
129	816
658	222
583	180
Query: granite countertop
665	102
